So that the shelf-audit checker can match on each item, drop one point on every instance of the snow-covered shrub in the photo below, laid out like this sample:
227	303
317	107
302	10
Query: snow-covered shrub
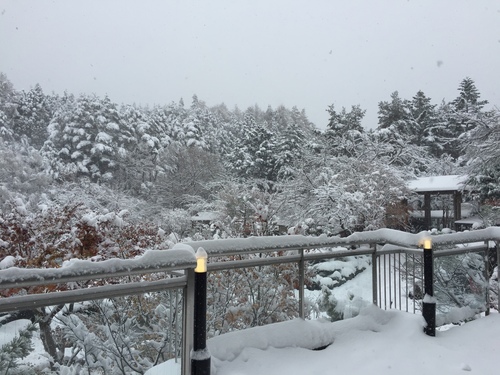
13	351
494	281
332	274
249	297
123	335
336	272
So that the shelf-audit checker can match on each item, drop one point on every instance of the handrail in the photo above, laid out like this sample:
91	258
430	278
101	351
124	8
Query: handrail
460	250
33	301
244	263
181	256
235	246
77	270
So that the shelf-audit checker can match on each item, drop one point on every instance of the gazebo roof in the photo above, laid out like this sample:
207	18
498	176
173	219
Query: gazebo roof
205	216
438	184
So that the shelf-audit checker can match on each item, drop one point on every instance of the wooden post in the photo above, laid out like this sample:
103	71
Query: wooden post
427	211
457	208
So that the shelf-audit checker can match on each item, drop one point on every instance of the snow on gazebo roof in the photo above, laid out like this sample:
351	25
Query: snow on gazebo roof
438	183
205	216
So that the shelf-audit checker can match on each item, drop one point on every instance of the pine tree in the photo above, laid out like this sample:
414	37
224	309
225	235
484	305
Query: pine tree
34	113
260	143
138	160
482	155
7	108
290	143
240	154
252	155
468	99
390	113
422	118
344	130
18	348
6	133
84	139
7	96
461	114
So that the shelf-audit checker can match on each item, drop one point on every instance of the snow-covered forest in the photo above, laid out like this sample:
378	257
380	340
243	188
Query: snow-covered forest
84	177
79	156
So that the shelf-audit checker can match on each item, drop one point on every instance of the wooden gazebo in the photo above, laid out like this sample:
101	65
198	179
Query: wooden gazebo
453	185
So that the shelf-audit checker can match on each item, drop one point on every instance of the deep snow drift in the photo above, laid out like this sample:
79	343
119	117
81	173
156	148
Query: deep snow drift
375	342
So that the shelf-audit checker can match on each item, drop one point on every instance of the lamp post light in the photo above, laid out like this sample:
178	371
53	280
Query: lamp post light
200	356
429	302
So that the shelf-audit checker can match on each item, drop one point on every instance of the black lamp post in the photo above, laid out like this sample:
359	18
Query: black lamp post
200	356
429	302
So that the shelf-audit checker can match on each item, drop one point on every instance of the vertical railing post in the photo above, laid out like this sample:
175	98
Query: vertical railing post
187	323
302	277
429	302
497	243
486	277
374	274
200	356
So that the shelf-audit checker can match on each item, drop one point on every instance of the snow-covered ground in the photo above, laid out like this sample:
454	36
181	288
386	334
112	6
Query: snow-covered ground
374	342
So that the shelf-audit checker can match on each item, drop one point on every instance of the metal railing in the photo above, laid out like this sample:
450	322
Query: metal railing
384	244
400	280
178	264
386	247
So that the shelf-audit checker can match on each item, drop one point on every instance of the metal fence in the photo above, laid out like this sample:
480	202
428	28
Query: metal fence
400	277
169	271
396	259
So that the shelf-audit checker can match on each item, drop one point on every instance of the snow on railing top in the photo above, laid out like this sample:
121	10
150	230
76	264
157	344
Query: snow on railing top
381	236
77	269
488	234
182	255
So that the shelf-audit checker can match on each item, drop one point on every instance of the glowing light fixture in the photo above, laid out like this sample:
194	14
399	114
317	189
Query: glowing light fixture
427	244
201	260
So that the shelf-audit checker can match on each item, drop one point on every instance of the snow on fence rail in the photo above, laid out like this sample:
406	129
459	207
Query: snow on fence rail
249	245
78	270
152	261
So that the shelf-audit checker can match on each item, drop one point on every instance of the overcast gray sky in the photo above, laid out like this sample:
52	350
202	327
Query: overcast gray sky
292	52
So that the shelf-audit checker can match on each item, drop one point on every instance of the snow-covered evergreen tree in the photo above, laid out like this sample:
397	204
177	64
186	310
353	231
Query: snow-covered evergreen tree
253	156
34	112
390	113
482	154
85	139
7	96
7	108
460	115
344	130
15	350
289	145
139	162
